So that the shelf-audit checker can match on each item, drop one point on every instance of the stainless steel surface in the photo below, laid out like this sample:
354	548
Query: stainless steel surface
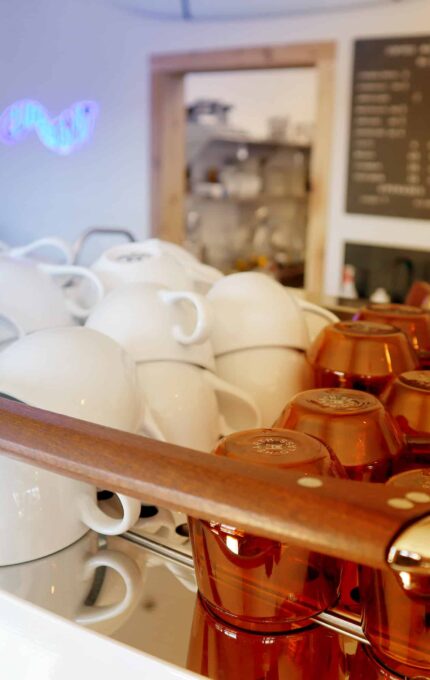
173	554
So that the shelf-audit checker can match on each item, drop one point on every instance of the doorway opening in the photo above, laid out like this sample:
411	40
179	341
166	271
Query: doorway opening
248	154
240	164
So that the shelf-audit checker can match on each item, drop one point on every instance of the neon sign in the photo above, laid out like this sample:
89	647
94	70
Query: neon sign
63	134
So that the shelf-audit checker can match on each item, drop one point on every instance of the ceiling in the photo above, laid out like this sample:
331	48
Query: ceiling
218	10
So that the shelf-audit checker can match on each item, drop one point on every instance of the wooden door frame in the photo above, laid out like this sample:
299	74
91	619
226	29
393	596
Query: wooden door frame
168	135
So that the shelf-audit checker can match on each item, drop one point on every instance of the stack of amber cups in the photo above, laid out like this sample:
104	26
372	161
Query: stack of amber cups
363	436
257	596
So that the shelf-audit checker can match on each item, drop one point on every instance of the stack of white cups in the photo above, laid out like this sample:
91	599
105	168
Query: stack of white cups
155	313
79	373
259	336
166	333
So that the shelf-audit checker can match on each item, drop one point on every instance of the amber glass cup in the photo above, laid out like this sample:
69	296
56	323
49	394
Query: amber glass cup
360	355
396	605
366	667
256	583
220	651
355	426
408	401
413	321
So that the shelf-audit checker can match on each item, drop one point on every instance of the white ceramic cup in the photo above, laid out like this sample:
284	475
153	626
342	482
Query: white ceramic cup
80	373
156	324
132	263
271	375
32	300
62	582
193	407
203	275
74	371
43	512
252	310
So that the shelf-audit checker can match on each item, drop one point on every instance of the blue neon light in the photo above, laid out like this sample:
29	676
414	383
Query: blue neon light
71	129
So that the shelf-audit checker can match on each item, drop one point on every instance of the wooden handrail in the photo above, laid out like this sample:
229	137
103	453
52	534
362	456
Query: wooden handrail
350	520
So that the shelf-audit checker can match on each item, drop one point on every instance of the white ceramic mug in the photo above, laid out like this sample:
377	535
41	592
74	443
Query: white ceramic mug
203	275
32	300
155	324
61	582
271	375
132	263
193	407
80	373
43	512
29	297
77	372
252	310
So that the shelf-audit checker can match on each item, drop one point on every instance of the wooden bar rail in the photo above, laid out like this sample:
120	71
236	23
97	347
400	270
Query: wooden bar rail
350	520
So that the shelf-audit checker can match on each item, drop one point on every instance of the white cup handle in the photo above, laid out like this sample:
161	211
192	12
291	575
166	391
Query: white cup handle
224	387
98	521
49	241
16	328
61	269
318	311
130	573
204	320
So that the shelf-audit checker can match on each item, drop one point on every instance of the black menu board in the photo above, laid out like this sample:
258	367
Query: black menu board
389	156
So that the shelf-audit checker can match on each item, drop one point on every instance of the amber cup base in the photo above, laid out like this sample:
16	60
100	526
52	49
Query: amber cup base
269	627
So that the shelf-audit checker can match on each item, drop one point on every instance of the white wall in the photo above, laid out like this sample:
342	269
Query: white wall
58	52
62	51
